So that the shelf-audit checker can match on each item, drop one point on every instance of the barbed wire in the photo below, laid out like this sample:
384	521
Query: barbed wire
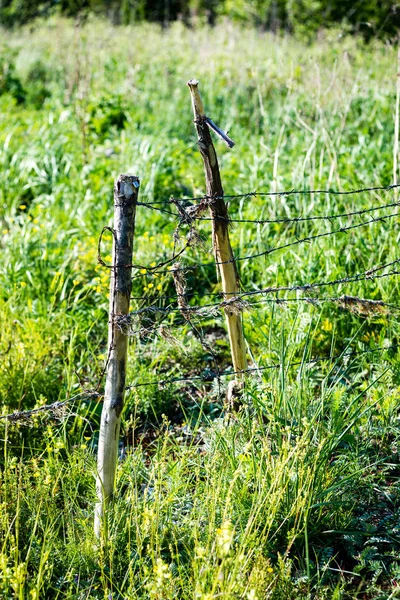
57	408
208	375
195	319
305	219
158	269
366	275
303	240
255	194
298	219
370	274
308	239
360	306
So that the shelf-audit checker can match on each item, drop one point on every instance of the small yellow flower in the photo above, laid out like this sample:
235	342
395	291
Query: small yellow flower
22	206
83	446
152	238
23	284
159	287
75	282
327	325
151	285
153	264
143	271
225	538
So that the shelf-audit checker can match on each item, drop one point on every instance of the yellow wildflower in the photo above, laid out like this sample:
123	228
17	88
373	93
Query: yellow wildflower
225	538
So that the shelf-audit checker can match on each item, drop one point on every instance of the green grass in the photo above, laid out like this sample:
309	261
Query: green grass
297	496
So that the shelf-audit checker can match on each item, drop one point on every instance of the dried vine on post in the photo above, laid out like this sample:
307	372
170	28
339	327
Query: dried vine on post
219	214
126	191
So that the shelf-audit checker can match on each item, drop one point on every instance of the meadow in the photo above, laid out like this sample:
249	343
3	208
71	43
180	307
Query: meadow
296	494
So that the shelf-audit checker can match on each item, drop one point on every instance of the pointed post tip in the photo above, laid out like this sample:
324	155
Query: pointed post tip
197	103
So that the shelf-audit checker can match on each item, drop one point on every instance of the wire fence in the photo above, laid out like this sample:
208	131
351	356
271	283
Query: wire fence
255	194
151	317
58	409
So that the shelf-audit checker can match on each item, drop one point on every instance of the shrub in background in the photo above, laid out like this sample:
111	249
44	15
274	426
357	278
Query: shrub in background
371	18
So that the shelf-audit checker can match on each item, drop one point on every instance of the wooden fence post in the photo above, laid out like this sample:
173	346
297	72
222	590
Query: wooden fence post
126	189
219	214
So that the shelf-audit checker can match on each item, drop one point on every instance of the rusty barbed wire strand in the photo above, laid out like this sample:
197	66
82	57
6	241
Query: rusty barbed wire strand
55	407
267	252
278	300
360	306
370	274
282	219
303	240
209	376
255	194
311	238
305	219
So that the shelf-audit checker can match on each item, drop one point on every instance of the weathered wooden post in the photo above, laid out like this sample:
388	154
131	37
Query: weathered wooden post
220	221
126	189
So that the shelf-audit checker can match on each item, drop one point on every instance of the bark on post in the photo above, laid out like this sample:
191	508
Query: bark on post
126	189
219	213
